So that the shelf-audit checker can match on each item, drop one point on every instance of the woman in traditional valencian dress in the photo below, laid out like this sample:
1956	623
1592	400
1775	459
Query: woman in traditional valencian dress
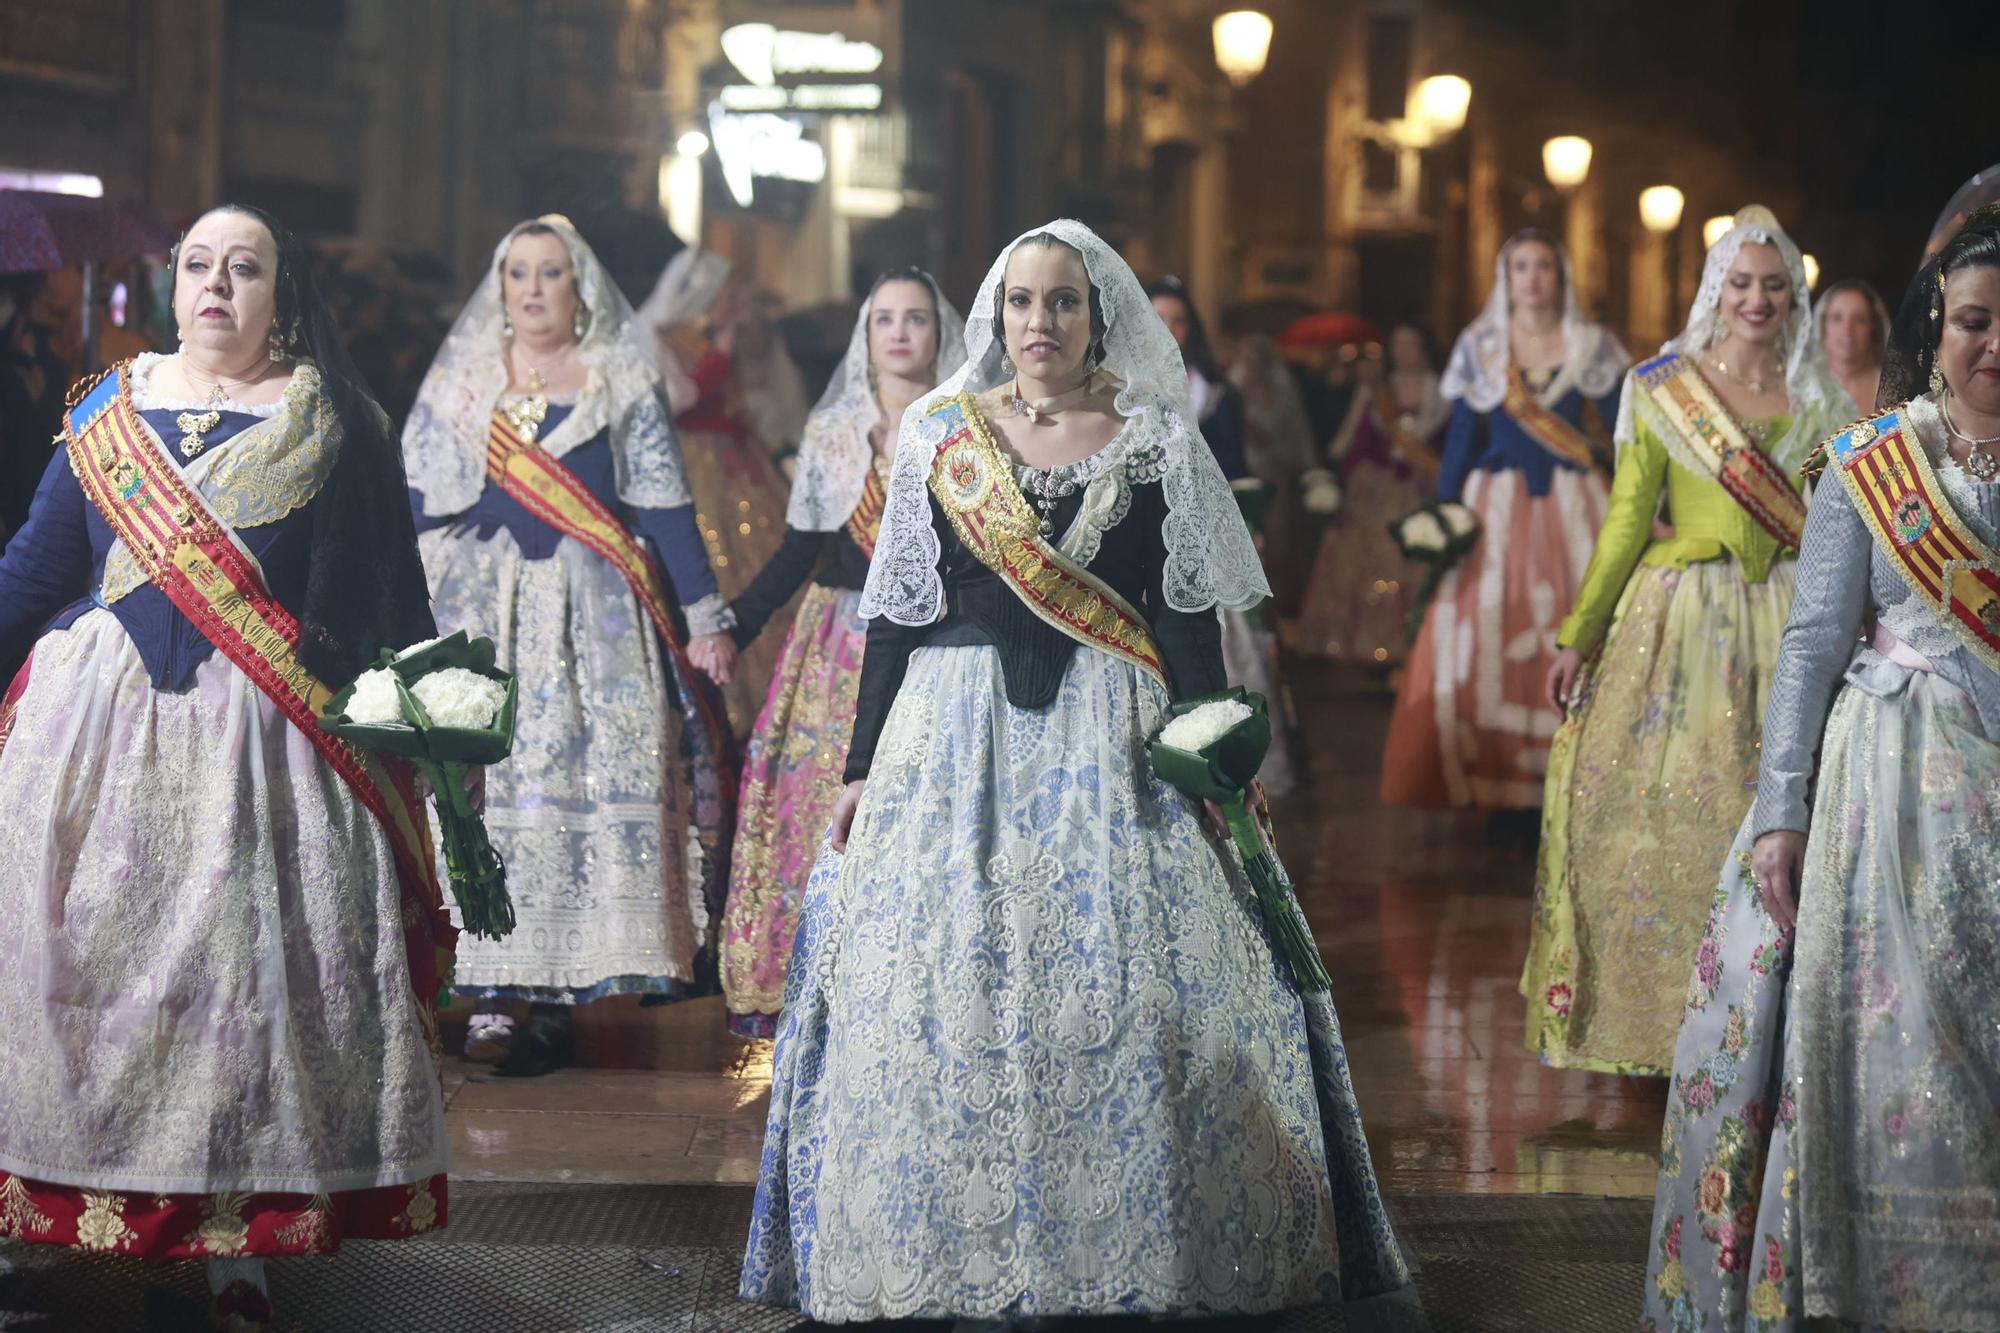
1832	1149
222	934
1471	727
1038	1056
612	815
906	339
1362	589
737	401
1650	776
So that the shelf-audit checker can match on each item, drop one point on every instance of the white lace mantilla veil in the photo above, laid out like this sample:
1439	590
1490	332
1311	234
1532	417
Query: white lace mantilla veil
1593	359
1210	558
444	442
687	287
1819	402
835	454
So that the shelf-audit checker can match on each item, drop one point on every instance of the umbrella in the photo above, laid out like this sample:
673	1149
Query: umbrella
27	245
41	231
1331	328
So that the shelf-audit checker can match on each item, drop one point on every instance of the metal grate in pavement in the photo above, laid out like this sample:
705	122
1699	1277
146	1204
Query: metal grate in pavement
539	1258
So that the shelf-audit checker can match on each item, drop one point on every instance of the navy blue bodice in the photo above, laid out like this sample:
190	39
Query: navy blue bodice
54	566
1493	441
675	537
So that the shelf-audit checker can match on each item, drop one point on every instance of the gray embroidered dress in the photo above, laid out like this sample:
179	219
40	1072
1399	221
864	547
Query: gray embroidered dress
1832	1141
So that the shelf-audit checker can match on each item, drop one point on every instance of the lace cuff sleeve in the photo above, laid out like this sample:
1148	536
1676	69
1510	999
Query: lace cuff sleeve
648	456
710	615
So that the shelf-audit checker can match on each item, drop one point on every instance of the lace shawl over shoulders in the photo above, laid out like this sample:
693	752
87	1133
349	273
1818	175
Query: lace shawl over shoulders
1210	558
444	442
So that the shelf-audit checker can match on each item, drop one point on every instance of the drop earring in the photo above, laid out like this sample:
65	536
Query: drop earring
1937	383
1006	364
581	322
506	329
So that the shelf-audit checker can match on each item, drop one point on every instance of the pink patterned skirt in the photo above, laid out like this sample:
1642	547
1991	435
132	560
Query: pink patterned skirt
791	782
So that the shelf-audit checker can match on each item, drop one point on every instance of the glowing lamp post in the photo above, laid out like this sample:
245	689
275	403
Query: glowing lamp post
1242	44
1660	208
1441	103
1812	272
1715	229
1566	161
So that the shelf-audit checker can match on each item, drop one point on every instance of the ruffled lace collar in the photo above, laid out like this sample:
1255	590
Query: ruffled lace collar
146	400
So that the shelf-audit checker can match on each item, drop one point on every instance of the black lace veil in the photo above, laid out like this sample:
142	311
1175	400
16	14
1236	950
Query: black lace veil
365	590
1913	336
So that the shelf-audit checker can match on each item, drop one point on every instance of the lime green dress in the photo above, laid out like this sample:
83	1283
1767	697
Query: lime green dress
1649	776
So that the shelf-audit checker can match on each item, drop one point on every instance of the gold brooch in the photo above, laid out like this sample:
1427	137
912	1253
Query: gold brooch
194	425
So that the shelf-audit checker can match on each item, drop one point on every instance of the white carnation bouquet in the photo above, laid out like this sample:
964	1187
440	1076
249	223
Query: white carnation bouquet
1320	492
1438	535
444	707
1211	748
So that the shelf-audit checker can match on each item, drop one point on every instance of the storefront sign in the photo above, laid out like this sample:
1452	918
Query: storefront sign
766	55
748	147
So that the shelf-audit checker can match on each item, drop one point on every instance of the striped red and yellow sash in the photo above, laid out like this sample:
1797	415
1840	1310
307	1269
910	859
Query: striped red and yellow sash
865	523
1896	491
974	482
558	497
1717	440
1546	426
193	558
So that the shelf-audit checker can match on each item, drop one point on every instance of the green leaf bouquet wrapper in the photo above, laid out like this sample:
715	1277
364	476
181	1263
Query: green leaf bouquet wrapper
443	755
1438	563
1222	771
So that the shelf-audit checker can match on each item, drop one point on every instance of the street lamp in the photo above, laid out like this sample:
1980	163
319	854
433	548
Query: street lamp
1715	229
1441	103
1660	207
692	143
1812	272
1242	44
1566	161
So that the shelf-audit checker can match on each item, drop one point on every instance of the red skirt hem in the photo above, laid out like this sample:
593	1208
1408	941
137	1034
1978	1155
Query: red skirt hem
213	1226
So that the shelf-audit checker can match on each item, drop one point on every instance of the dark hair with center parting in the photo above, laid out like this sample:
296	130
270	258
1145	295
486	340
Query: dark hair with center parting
908	273
1538	236
1913	340
1046	240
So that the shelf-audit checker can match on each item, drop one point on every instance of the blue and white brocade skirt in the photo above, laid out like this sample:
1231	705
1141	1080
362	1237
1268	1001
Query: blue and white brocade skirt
1036	1055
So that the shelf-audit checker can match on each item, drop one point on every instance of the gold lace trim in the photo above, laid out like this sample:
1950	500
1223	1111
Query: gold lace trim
268	471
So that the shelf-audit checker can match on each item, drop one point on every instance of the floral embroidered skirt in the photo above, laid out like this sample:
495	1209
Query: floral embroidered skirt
1036	1054
1832	1142
739	499
1472	726
791	782
1357	601
1647	783
212	1045
603	811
